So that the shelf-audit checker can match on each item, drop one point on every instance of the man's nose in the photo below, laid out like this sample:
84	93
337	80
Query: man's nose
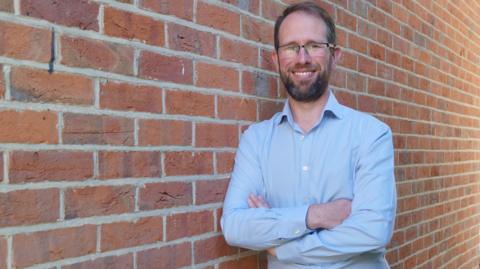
303	56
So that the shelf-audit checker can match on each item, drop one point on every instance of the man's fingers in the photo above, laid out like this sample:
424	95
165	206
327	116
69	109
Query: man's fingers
255	201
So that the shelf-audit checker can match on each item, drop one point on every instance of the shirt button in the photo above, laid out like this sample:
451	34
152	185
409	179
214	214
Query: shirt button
296	231
305	168
302	137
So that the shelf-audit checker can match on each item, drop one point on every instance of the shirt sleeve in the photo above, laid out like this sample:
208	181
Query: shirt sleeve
256	228
370	224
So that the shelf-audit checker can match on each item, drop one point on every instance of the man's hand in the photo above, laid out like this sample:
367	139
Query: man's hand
328	215
257	201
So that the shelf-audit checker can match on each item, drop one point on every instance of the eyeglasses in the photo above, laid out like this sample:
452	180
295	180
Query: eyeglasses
312	48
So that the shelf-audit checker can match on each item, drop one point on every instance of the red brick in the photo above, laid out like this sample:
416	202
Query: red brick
348	60
6	5
218	18
250	6
124	24
192	40
212	248
99	200
367	66
167	68
33	85
35	166
268	108
346	20
165	195
238	52
169	257
27	207
366	104
210	191
113	164
259	84
24	43
3	253
216	135
190	103
48	246
123	96
97	129
188	163
257	30
110	262
164	132
189	224
75	13
216	76
29	126
129	234
266	60
225	162
237	108
179	8
357	43
271	9
95	54
241	263
376	51
2	83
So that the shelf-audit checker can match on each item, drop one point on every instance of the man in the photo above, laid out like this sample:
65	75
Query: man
314	185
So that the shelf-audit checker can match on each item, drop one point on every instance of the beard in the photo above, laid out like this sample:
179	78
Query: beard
306	91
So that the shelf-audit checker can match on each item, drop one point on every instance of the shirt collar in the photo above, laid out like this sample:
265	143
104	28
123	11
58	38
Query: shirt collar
332	106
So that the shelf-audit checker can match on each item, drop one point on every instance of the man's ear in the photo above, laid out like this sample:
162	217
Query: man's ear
274	56
337	55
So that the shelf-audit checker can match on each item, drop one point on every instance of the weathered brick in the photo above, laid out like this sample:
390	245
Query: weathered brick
257	30
267	61
35	166
6	5
3	253
169	257
75	13
99	201
24	42
247	5
128	234
190	103
225	162
212	248
95	54
164	132
128	25
192	40
2	83
165	195
268	108
109	262
97	129
216	135
167	68
238	52
33	85
216	76
123	96
188	163
27	207
237	108
218	18
113	164
30	127
210	191
245	262
30	249
271	9
179	8
259	84
189	224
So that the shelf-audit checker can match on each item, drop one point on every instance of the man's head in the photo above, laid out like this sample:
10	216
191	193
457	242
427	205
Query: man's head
305	51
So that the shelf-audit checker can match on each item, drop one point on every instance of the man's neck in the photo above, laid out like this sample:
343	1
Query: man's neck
307	114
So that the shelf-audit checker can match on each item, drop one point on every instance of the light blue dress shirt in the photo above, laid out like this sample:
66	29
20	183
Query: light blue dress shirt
348	154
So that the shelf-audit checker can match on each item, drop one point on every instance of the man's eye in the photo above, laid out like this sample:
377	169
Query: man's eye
291	48
315	46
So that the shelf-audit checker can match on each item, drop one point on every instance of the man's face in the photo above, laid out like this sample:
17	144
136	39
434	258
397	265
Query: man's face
304	75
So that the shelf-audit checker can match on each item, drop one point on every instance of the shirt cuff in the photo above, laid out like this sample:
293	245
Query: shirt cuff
293	222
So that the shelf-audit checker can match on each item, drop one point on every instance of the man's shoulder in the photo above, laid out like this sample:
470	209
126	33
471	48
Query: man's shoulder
262	128
364	120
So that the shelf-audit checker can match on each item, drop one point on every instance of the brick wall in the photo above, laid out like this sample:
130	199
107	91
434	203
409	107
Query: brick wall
119	122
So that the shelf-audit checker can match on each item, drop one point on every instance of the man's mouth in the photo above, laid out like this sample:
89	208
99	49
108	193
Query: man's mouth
303	74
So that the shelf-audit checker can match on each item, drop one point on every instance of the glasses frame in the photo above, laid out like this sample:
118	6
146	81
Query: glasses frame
297	47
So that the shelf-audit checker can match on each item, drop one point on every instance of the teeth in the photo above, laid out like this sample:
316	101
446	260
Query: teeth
303	74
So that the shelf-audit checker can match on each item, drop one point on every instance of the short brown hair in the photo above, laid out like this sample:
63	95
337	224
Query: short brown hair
309	8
